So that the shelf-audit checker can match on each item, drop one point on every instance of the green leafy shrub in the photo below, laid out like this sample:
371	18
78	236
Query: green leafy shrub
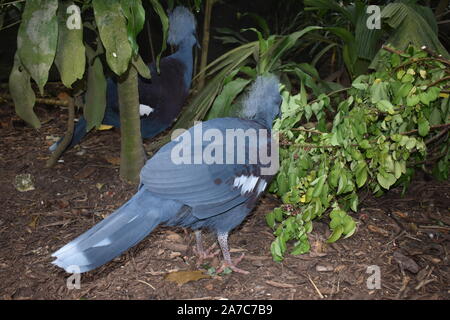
389	123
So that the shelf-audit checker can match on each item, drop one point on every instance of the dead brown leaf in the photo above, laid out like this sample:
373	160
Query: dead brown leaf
174	237
378	230
279	284
406	262
183	277
84	173
34	222
115	161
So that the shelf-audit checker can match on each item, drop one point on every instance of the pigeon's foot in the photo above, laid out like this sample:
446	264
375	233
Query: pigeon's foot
232	266
205	254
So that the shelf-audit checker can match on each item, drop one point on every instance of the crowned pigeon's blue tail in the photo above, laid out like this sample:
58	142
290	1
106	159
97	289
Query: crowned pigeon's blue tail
121	230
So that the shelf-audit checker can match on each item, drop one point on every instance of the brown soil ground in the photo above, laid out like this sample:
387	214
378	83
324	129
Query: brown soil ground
406	237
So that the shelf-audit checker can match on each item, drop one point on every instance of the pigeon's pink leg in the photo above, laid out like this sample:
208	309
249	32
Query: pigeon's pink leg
202	253
228	263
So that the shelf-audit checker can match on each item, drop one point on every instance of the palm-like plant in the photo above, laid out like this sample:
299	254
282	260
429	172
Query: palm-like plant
403	23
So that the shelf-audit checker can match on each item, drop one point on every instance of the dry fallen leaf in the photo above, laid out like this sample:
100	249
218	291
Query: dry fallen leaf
400	214
24	182
105	127
113	160
406	262
174	255
34	222
174	237
324	268
182	277
63	96
62	203
279	284
84	173
378	230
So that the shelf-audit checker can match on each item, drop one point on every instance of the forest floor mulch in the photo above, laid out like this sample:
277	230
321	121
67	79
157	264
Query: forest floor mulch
405	238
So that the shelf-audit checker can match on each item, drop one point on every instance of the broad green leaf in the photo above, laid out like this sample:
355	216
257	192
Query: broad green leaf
301	248
424	126
343	181
354	201
37	39
410	143
337	233
425	98
112	26
335	222
282	182
318	185
360	86
404	90
334	176
22	93
349	227
412	100
386	180
408	78
94	108
70	54
365	144
276	249
135	14
379	91
433	93
411	24
361	173
270	219
435	117
285	43
278	214
385	106
395	61
366	39
398	170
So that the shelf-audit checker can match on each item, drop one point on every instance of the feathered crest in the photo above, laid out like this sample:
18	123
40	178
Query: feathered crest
181	25
265	88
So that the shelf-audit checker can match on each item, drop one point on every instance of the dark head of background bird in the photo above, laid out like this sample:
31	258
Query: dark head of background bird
182	27
262	103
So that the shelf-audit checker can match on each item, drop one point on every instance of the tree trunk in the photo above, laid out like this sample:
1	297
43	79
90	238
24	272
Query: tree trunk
132	152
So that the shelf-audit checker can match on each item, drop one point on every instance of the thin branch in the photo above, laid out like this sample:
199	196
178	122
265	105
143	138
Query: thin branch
12	24
434	57
331	94
48	101
308	130
439	126
432	159
392	50
438	81
67	137
438	136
